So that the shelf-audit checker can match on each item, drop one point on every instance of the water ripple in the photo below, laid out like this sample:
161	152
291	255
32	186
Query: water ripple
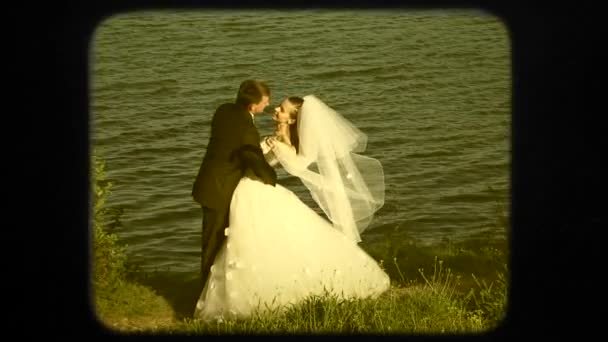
432	92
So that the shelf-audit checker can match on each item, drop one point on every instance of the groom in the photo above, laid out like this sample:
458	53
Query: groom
234	146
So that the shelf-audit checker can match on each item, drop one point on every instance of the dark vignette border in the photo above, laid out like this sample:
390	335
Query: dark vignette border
556	163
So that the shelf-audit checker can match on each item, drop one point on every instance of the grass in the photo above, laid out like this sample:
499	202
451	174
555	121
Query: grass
429	308
449	299
132	307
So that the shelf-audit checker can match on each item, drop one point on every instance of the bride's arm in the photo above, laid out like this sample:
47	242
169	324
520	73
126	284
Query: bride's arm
294	163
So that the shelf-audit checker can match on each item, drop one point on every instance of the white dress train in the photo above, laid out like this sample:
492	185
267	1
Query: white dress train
279	251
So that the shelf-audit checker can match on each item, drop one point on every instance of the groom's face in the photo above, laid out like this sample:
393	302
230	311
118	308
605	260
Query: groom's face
259	107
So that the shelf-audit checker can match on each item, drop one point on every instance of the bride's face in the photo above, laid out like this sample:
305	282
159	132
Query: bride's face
282	112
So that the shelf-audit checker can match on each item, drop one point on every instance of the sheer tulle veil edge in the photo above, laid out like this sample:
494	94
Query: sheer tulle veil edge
348	187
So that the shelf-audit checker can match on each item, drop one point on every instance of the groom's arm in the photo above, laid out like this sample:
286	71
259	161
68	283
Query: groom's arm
251	156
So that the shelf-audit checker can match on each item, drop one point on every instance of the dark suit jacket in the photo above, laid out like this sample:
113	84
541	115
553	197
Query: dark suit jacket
234	147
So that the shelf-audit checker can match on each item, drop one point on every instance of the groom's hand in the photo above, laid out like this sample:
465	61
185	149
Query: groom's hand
271	179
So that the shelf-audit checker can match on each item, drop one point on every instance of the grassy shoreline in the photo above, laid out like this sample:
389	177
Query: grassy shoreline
447	289
437	306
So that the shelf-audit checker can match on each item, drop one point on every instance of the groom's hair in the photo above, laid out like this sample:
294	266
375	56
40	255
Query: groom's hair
251	91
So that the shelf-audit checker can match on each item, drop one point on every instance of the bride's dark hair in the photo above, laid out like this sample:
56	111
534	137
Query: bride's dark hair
293	128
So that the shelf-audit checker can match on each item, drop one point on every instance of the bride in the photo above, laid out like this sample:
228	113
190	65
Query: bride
278	250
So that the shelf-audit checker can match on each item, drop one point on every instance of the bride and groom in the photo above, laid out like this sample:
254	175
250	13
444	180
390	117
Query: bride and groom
262	247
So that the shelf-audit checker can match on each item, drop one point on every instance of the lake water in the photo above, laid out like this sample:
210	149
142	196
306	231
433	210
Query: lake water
431	89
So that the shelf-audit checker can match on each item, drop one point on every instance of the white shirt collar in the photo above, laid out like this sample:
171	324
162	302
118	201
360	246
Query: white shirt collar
252	116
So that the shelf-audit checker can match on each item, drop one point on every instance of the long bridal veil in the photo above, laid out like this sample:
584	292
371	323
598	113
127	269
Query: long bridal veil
347	186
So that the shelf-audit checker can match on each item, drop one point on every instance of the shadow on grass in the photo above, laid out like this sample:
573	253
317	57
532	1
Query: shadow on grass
181	290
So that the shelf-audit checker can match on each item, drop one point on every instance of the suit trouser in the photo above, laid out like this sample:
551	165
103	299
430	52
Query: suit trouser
214	222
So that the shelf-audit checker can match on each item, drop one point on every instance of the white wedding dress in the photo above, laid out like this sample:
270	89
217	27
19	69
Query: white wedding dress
279	251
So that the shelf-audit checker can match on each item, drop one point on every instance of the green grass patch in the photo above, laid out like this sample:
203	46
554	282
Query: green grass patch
430	308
